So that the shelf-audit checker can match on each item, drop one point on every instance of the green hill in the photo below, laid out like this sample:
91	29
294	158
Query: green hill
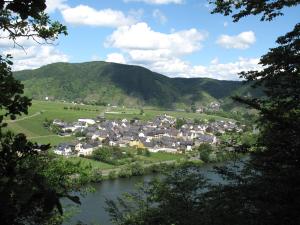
102	83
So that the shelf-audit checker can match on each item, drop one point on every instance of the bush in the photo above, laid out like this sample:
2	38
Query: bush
137	169
96	176
206	151
112	175
125	172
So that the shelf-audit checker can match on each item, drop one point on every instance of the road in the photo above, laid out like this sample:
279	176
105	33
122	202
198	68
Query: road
25	117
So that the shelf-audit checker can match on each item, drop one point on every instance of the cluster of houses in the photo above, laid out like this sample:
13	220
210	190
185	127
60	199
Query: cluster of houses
211	107
157	135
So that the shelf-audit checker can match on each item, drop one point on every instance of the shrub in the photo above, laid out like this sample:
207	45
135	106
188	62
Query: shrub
112	175
137	169
125	172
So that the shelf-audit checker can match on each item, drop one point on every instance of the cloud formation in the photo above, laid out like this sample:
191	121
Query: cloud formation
140	45
116	58
176	67
53	5
85	15
241	41
147	43
35	56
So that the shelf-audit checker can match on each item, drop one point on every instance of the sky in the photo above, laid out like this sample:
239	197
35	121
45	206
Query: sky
178	38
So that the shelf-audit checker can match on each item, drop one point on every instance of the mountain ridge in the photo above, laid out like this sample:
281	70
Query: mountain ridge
102	82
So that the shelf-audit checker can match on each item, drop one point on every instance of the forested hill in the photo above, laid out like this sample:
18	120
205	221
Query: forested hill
102	83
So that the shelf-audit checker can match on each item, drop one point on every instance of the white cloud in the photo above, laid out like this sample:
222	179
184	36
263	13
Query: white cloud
157	2
140	37
35	56
85	15
162	52
159	16
175	67
225	71
53	5
240	41
222	71
116	58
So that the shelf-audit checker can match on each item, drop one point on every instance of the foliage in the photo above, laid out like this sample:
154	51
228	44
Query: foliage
102	154
12	102
112	175
268	180
143	151
142	111
31	183
125	172
95	175
193	107
137	169
268	9
206	151
179	123
27	195
113	155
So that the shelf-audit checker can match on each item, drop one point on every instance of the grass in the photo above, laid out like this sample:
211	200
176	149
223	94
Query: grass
164	156
150	114
53	140
32	124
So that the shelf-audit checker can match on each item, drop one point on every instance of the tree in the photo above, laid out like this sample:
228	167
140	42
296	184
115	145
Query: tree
193	107
28	195
179	123
243	8
103	154
142	112
205	151
265	191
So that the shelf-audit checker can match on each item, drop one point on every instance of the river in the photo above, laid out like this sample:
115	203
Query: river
92	208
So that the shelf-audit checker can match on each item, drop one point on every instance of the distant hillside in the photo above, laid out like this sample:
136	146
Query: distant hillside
102	83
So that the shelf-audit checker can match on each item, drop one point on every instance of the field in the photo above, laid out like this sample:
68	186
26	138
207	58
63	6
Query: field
32	124
151	113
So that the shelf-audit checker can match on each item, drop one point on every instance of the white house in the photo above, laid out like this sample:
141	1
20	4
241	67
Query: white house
88	121
63	149
84	149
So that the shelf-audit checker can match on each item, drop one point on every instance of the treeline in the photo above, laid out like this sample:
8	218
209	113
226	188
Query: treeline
117	156
131	170
77	108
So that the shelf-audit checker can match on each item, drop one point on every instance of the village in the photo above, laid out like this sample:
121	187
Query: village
164	133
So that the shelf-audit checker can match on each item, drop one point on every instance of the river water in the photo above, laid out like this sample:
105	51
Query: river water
92	211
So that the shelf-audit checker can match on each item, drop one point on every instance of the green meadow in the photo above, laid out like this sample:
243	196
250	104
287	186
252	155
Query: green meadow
150	114
32	124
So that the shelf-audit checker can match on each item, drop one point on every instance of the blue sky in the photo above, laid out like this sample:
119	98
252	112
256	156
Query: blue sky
178	38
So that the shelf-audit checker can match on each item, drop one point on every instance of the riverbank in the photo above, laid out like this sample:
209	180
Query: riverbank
97	171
